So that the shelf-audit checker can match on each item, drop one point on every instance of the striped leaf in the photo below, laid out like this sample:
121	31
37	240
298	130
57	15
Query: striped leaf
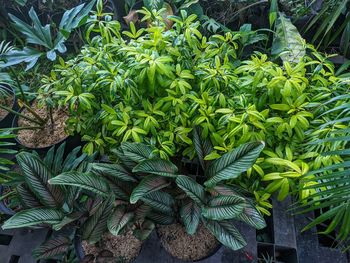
95	226
143	232
226	233
119	219
194	190
156	166
159	201
233	163
251	216
34	216
203	147
224	207
112	170
88	181
37	175
161	218
136	152
68	219
26	197
52	248
190	216
148	185
142	211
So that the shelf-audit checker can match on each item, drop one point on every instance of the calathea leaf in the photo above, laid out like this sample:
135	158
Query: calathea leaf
203	147
159	201
156	166
148	185
142	211
93	229
190	216
136	152
143	232
68	219
26	196
161	218
224	207
194	190
232	164
52	247
88	181
288	43
113	170
34	216
252	217
37	176
119	219
226	233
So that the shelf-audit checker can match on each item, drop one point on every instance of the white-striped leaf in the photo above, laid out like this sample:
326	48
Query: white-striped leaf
148	185
161	218
203	147
224	207
194	190
88	181
251	216
159	201
119	219
53	247
156	166
136	152
190	216
232	164
26	197
34	216
113	170
226	233
93	229
37	175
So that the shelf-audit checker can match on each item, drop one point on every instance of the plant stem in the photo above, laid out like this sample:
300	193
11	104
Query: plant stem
24	98
41	120
21	115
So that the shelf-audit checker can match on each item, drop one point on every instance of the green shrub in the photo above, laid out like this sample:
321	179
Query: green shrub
153	85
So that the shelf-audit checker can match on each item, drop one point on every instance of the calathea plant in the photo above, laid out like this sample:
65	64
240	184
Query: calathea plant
215	202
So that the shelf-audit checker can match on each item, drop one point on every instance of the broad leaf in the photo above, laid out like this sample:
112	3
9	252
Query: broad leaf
37	176
156	166
27	197
52	247
88	181
233	163
159	201
288	43
194	190
203	147
190	216
161	218
32	217
224	207
136	152
251	216
113	170
226	233
148	185
96	225
119	219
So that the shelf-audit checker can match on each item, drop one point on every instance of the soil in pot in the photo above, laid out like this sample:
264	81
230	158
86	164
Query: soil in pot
49	134
8	102
187	247
125	248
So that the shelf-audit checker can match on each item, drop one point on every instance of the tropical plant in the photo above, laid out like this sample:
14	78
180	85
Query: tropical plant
42	204
42	36
6	149
325	190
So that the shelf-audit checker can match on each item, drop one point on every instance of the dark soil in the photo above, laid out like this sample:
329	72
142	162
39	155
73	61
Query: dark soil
181	245
49	134
125	248
8	102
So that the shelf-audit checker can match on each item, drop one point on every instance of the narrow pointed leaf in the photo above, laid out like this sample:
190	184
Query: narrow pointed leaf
119	219
53	247
159	201
113	170
203	147
251	216
156	166
224	207
190	216
194	190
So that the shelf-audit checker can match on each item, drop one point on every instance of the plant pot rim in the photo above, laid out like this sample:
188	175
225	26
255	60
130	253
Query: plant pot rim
212	253
9	88
43	148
